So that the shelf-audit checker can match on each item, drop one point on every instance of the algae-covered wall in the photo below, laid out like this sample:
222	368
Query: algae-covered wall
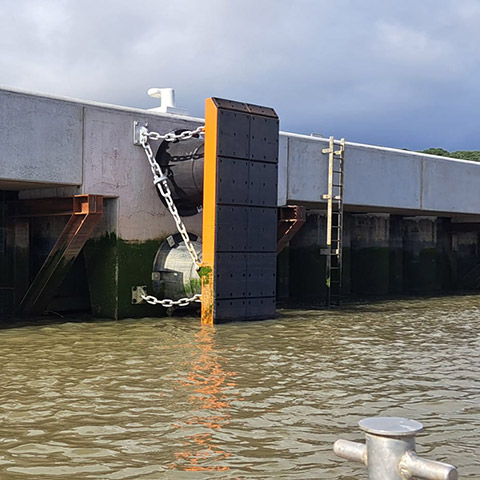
113	267
384	255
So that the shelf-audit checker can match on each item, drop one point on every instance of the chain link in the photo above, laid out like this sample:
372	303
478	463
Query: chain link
171	137
167	303
160	182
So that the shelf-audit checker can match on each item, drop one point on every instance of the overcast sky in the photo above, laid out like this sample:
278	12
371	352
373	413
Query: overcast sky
401	73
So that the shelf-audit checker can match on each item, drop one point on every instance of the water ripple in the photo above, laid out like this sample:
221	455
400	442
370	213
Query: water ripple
166	398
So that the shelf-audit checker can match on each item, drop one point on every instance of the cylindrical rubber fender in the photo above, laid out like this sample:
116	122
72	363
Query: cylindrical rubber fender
182	161
174	275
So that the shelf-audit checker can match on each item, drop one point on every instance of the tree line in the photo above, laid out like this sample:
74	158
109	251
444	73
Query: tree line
473	155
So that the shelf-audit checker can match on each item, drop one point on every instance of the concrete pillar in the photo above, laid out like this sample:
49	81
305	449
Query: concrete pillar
307	266
7	253
283	274
21	249
370	254
347	254
466	246
396	254
114	265
5	279
446	257
420	254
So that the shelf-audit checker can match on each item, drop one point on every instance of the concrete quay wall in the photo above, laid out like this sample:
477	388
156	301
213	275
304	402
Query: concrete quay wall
86	147
379	178
54	147
383	254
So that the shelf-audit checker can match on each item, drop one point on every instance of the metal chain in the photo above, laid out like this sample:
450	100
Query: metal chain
167	303
171	137
160	181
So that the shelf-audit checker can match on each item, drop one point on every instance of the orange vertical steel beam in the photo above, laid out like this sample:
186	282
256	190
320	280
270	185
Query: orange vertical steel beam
209	211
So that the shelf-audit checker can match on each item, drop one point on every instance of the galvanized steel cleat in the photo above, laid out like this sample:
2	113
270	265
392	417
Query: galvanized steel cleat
389	452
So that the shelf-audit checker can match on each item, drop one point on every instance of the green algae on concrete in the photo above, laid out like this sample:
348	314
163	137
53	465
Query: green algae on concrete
113	267
370	270
346	270
135	263
420	271
395	278
193	286
307	273
283	273
101	262
7	292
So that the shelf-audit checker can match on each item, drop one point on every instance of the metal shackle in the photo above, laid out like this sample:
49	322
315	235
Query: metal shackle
389	452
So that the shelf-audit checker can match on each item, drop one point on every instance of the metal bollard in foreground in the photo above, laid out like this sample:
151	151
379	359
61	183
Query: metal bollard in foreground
389	452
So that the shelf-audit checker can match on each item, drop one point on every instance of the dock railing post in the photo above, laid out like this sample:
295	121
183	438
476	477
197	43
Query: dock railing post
389	452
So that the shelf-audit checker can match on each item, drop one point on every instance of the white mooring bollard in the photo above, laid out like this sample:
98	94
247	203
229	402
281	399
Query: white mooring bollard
389	452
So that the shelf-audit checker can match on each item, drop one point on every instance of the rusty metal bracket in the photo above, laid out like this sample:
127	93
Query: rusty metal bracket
291	219
85	211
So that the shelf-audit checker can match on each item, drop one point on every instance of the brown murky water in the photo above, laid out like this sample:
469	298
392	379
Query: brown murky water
166	398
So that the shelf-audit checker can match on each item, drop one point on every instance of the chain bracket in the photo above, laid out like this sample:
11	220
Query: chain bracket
138	293
139	131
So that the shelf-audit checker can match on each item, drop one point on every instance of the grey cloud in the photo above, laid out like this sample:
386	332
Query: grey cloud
384	72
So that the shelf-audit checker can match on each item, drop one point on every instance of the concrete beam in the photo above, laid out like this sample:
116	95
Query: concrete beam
40	140
379	178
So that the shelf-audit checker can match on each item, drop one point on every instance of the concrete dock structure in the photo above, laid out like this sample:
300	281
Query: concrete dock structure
412	221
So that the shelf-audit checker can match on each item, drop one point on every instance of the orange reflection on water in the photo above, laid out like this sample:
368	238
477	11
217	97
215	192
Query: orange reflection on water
211	395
